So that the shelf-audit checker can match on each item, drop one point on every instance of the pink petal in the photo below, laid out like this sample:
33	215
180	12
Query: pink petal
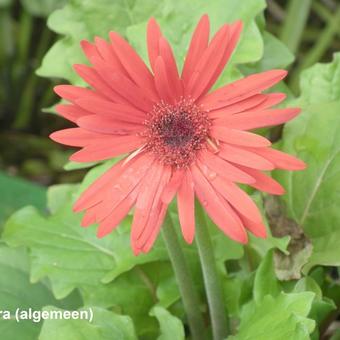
217	208
106	149
280	159
234	34
71	112
264	182
106	51
199	43
225	169
75	137
153	36
150	212
155	230
90	50
244	157
272	99
145	200
71	92
106	125
96	192
237	107
133	64
242	89
237	198
126	90
166	53
113	110
208	63
161	81
258	229
117	215
238	137
89	217
172	186
258	119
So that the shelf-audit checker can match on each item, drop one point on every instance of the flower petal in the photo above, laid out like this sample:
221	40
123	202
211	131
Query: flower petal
108	109
280	159
238	137
107	148
117	215
244	157
153	36
71	112
109	126
162	83
264	182
217	208
257	119
186	207
241	89
225	169
75	137
133	63
199	43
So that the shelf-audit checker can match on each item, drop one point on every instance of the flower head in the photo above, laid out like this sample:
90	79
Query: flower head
179	138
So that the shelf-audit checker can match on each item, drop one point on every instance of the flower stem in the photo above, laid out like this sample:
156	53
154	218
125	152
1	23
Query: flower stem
217	309
184	280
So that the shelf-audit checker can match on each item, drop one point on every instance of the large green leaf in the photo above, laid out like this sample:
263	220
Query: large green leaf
16	193
281	318
69	255
138	284
321	83
105	325
171	327
266	282
81	19
313	195
16	291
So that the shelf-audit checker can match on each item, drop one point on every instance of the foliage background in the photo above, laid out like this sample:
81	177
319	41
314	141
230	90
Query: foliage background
284	287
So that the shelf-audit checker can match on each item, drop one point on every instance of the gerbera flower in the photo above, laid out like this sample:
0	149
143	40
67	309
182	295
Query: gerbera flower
179	139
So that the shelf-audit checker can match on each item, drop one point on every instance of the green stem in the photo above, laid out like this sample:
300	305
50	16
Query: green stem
322	44
218	315
184	280
294	24
25	34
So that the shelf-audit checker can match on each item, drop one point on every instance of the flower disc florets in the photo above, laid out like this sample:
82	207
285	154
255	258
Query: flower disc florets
176	132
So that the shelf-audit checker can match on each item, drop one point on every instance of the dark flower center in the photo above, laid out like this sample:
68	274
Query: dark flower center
176	130
175	133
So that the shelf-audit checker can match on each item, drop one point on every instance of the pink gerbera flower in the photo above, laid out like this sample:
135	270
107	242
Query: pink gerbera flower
179	138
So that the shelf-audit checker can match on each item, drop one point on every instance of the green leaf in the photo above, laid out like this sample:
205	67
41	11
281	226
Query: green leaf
321	83
72	256
275	55
85	19
16	193
69	166
321	306
266	282
5	3
42	8
16	291
170	326
278	318
314	136
314	199
138	284
58	194
105	325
